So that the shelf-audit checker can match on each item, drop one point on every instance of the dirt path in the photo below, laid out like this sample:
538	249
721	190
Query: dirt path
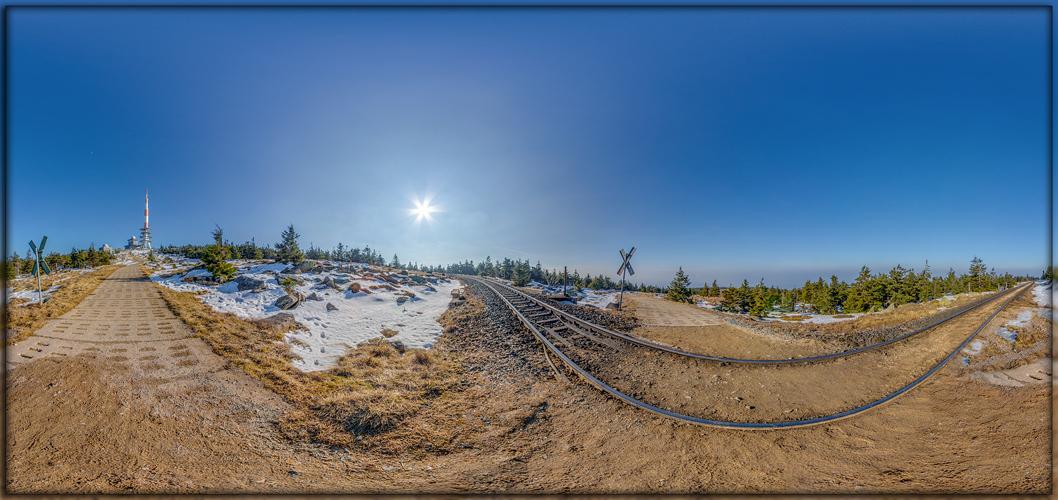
694	329
115	395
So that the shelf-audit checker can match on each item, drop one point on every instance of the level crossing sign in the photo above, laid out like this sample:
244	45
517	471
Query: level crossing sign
625	266
39	264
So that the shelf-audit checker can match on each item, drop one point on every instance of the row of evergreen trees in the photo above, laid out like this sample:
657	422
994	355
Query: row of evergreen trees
89	257
520	273
870	292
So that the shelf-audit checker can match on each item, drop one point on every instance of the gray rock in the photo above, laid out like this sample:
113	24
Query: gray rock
287	302
297	279
331	307
398	345
305	266
403	272
341	281
249	283
329	282
314	297
402	299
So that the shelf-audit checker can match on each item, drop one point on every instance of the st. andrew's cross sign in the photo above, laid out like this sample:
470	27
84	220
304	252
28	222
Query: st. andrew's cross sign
625	266
39	264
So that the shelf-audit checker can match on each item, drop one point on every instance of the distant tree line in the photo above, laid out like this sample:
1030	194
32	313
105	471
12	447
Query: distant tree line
521	273
869	292
76	259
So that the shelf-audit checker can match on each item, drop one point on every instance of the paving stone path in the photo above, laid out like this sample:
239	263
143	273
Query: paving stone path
652	311
124	320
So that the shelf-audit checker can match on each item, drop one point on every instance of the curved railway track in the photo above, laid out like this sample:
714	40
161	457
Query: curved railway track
671	383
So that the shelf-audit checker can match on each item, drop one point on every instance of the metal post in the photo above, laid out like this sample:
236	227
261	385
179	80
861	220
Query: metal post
620	299
565	276
40	296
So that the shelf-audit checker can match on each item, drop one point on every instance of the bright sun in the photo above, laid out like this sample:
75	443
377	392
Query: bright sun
422	210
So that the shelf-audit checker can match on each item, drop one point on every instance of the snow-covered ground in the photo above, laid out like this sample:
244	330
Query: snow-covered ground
358	317
31	281
1041	294
587	297
812	318
31	294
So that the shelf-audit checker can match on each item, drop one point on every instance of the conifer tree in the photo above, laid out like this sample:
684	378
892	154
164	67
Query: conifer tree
287	250
215	257
678	289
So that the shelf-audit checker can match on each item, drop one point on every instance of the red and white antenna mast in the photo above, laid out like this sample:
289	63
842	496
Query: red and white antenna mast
145	233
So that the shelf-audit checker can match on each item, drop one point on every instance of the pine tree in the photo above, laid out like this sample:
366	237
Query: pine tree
395	263
977	271
287	250
678	289
214	257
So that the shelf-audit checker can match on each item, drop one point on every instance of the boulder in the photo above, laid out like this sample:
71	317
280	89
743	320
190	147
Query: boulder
249	283
331	307
402	299
355	287
300	268
314	297
298	280
278	321
287	302
398	345
341	281
329	282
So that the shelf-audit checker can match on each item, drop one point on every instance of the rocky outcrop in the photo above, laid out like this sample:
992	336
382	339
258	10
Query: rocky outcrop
249	283
287	302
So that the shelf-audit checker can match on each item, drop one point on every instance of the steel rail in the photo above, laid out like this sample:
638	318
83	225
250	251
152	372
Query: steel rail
737	425
742	360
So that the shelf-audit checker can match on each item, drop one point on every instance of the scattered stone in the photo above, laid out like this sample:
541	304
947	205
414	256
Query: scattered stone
355	287
403	272
402	299
300	268
314	297
329	282
341	281
331	307
298	280
249	283
286	302
398	345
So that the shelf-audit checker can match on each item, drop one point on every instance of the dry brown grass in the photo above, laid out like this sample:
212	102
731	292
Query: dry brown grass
375	398
23	320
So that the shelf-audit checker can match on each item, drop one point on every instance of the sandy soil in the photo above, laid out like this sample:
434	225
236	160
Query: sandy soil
91	423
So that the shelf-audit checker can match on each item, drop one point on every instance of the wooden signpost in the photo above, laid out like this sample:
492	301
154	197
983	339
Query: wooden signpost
39	265
625	266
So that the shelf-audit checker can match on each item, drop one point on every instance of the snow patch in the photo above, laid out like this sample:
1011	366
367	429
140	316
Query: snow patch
974	347
359	316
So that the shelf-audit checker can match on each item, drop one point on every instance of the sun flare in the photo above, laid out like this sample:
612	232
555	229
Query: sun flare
422	210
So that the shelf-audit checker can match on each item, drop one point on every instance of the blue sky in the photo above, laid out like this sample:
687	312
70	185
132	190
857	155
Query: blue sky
783	143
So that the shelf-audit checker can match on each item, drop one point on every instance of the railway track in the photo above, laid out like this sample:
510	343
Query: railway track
744	393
